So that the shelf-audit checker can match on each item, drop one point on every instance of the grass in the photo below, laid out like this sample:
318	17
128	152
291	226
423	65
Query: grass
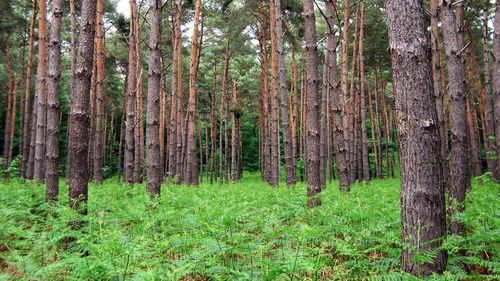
243	231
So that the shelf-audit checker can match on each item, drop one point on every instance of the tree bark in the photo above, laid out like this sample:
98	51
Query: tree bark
459	170
213	126
275	87
41	88
52	156
496	77
422	194
99	119
312	122
191	176
27	107
78	133
283	93
489	115
154	175
364	136
9	105
438	89
266	141
131	122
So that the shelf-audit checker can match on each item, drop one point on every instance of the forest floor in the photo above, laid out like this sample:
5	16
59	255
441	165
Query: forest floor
243	231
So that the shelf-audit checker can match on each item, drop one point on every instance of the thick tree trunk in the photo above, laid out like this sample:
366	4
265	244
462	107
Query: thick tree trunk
78	133
131	122
459	170
98	161
351	104
312	122
41	88
422	194
191	176
283	93
52	156
27	107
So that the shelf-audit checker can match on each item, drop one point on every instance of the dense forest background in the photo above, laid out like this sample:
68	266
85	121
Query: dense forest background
361	135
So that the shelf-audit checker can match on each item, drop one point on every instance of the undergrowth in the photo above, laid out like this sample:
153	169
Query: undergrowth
243	231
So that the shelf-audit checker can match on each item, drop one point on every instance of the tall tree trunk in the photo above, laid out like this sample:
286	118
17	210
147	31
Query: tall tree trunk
41	88
475	161
489	115
72	13
496	77
351	105
422	193
283	93
438	89
322	124
78	133
154	175
131	103
459	170
213	126
275	87
191	177
235	112
344	62
312	122
180	95
266	140
139	127
172	154
98	161
364	136
27	107
52	156
9	105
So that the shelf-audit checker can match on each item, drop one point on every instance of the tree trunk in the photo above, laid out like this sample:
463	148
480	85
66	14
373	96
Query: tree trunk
364	136
191	176
41	88
180	130
496	77
172	154
139	127
235	112
475	163
322	124
266	141
312	124
52	156
213	127
9	105
489	115
154	177
73	46
275	87
438	89
131	104
459	170
283	93
27	107
98	161
422	194
78	133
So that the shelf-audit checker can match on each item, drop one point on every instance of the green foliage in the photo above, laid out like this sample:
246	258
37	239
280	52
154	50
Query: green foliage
243	231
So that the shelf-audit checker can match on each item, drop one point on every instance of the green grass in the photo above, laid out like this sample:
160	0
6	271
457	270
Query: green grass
244	231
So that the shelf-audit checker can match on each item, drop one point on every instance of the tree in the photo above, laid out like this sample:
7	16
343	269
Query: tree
422	193
459	170
154	175
78	133
99	138
26	120
131	121
52	153
275	87
191	176
283	93
364	136
312	122
41	88
496	76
